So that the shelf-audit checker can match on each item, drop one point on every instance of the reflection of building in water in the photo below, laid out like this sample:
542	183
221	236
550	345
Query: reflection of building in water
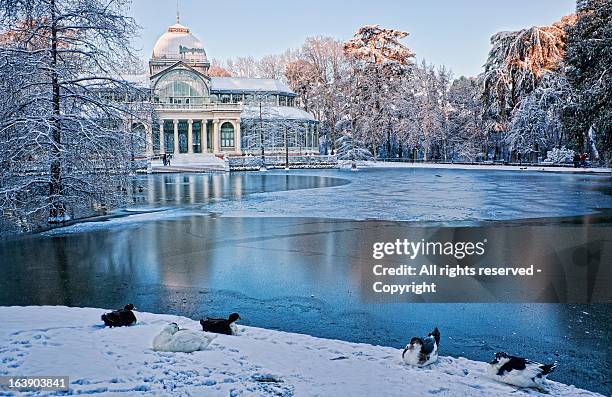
199	115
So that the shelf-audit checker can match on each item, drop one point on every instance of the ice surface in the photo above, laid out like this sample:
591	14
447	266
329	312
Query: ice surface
444	196
435	195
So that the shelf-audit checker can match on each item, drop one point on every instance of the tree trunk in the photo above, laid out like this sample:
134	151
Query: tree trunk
333	138
57	211
399	149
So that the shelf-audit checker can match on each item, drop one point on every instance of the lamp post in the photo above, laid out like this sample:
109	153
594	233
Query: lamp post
261	137
286	148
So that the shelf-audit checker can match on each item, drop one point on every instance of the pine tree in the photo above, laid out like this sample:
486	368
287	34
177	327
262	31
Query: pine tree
381	62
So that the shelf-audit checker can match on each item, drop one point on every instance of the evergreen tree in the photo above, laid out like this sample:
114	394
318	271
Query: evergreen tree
588	60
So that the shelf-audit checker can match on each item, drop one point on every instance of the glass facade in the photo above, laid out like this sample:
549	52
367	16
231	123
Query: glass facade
227	135
181	87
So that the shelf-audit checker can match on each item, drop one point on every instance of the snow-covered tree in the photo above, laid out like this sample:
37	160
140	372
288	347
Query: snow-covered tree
467	138
516	63
535	127
64	140
381	62
588	61
375	45
327	67
242	67
216	69
350	148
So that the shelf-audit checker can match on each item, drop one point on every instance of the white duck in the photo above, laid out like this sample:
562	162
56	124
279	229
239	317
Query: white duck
422	351
173	339
518	371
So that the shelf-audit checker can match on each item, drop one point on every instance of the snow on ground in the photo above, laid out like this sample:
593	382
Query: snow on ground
383	164
59	341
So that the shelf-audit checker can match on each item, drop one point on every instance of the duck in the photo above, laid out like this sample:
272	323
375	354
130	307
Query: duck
220	325
422	351
518	371
120	318
173	339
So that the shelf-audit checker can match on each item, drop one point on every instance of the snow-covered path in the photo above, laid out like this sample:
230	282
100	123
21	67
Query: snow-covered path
59	341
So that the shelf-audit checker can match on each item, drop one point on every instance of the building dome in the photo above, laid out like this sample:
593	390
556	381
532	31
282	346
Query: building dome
178	43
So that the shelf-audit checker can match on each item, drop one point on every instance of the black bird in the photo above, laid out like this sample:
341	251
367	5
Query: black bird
518	371
220	325
120	318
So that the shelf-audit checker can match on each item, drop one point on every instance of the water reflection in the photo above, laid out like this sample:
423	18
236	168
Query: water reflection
294	274
189	189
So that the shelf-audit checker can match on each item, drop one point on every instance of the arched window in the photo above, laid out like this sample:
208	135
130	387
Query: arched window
227	135
138	140
181	87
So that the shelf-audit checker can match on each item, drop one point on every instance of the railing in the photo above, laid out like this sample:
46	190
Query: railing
201	106
487	162
251	163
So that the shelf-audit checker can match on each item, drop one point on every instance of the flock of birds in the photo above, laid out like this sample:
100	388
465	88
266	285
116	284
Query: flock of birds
420	352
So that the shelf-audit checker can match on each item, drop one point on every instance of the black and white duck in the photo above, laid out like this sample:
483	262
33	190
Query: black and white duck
422	351
518	371
220	325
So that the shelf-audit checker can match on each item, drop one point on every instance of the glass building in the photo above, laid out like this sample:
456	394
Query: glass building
198	115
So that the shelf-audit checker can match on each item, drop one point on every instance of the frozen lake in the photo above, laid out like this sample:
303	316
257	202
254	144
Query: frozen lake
278	247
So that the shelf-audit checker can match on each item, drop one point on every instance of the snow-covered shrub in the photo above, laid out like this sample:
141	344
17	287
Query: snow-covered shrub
347	150
559	156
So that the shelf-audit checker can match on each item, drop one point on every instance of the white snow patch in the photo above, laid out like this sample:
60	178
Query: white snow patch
129	219
56	341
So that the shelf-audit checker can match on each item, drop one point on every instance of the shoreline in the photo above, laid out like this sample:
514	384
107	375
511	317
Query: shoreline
497	167
99	359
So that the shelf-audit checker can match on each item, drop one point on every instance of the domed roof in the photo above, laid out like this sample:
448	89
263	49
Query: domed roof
178	43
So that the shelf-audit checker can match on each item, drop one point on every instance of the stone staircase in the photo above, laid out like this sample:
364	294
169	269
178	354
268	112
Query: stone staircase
190	163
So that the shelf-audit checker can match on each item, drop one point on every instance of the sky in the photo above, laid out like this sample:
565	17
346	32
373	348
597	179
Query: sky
444	32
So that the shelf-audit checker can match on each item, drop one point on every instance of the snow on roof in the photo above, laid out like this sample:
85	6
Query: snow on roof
276	112
241	84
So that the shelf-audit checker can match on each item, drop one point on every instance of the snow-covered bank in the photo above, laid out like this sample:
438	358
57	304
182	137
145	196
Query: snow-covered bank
547	168
54	341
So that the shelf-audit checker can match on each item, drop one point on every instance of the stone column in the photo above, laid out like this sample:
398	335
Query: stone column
190	136
216	137
204	132
162	146
238	138
176	141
